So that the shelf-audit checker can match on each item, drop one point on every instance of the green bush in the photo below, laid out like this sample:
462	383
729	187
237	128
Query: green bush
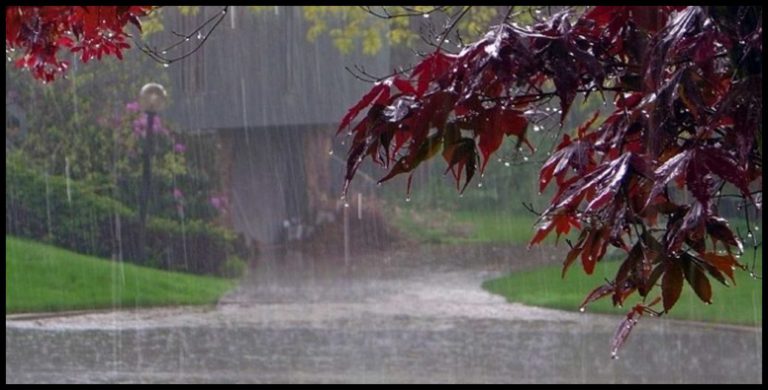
42	208
234	267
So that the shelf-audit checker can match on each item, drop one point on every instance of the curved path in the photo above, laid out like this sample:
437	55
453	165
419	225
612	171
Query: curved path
406	315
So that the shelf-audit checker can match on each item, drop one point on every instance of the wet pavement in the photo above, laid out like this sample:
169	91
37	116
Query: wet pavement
410	314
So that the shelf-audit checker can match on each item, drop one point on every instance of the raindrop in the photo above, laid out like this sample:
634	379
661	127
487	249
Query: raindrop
757	228
749	234
426	16
224	11
165	65
408	199
346	204
480	185
536	128
199	35
614	356
186	39
164	52
506	164
582	309
330	152
525	158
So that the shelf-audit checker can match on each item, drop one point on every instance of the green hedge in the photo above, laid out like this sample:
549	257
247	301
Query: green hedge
39	207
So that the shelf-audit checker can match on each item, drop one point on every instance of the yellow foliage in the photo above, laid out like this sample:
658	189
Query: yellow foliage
189	10
152	23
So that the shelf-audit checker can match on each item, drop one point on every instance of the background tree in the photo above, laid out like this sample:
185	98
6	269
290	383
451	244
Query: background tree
684	133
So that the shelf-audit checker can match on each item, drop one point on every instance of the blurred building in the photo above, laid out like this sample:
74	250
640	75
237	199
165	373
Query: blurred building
271	100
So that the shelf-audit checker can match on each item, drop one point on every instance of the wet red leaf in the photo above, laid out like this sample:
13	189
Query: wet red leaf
671	284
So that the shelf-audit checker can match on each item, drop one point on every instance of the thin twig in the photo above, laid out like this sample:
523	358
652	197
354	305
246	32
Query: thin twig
410	12
448	31
529	207
159	55
506	16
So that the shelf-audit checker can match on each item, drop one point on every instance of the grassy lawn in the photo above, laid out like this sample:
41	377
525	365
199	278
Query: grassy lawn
41	277
740	304
463	227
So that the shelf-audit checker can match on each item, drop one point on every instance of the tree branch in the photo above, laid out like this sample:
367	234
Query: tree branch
159	55
448	31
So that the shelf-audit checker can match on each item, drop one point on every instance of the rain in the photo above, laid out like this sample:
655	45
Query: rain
255	267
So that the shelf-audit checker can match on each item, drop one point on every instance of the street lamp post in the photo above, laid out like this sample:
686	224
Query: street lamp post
152	100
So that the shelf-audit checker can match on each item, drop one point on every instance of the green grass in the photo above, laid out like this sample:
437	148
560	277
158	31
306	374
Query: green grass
740	304
463	227
41	277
